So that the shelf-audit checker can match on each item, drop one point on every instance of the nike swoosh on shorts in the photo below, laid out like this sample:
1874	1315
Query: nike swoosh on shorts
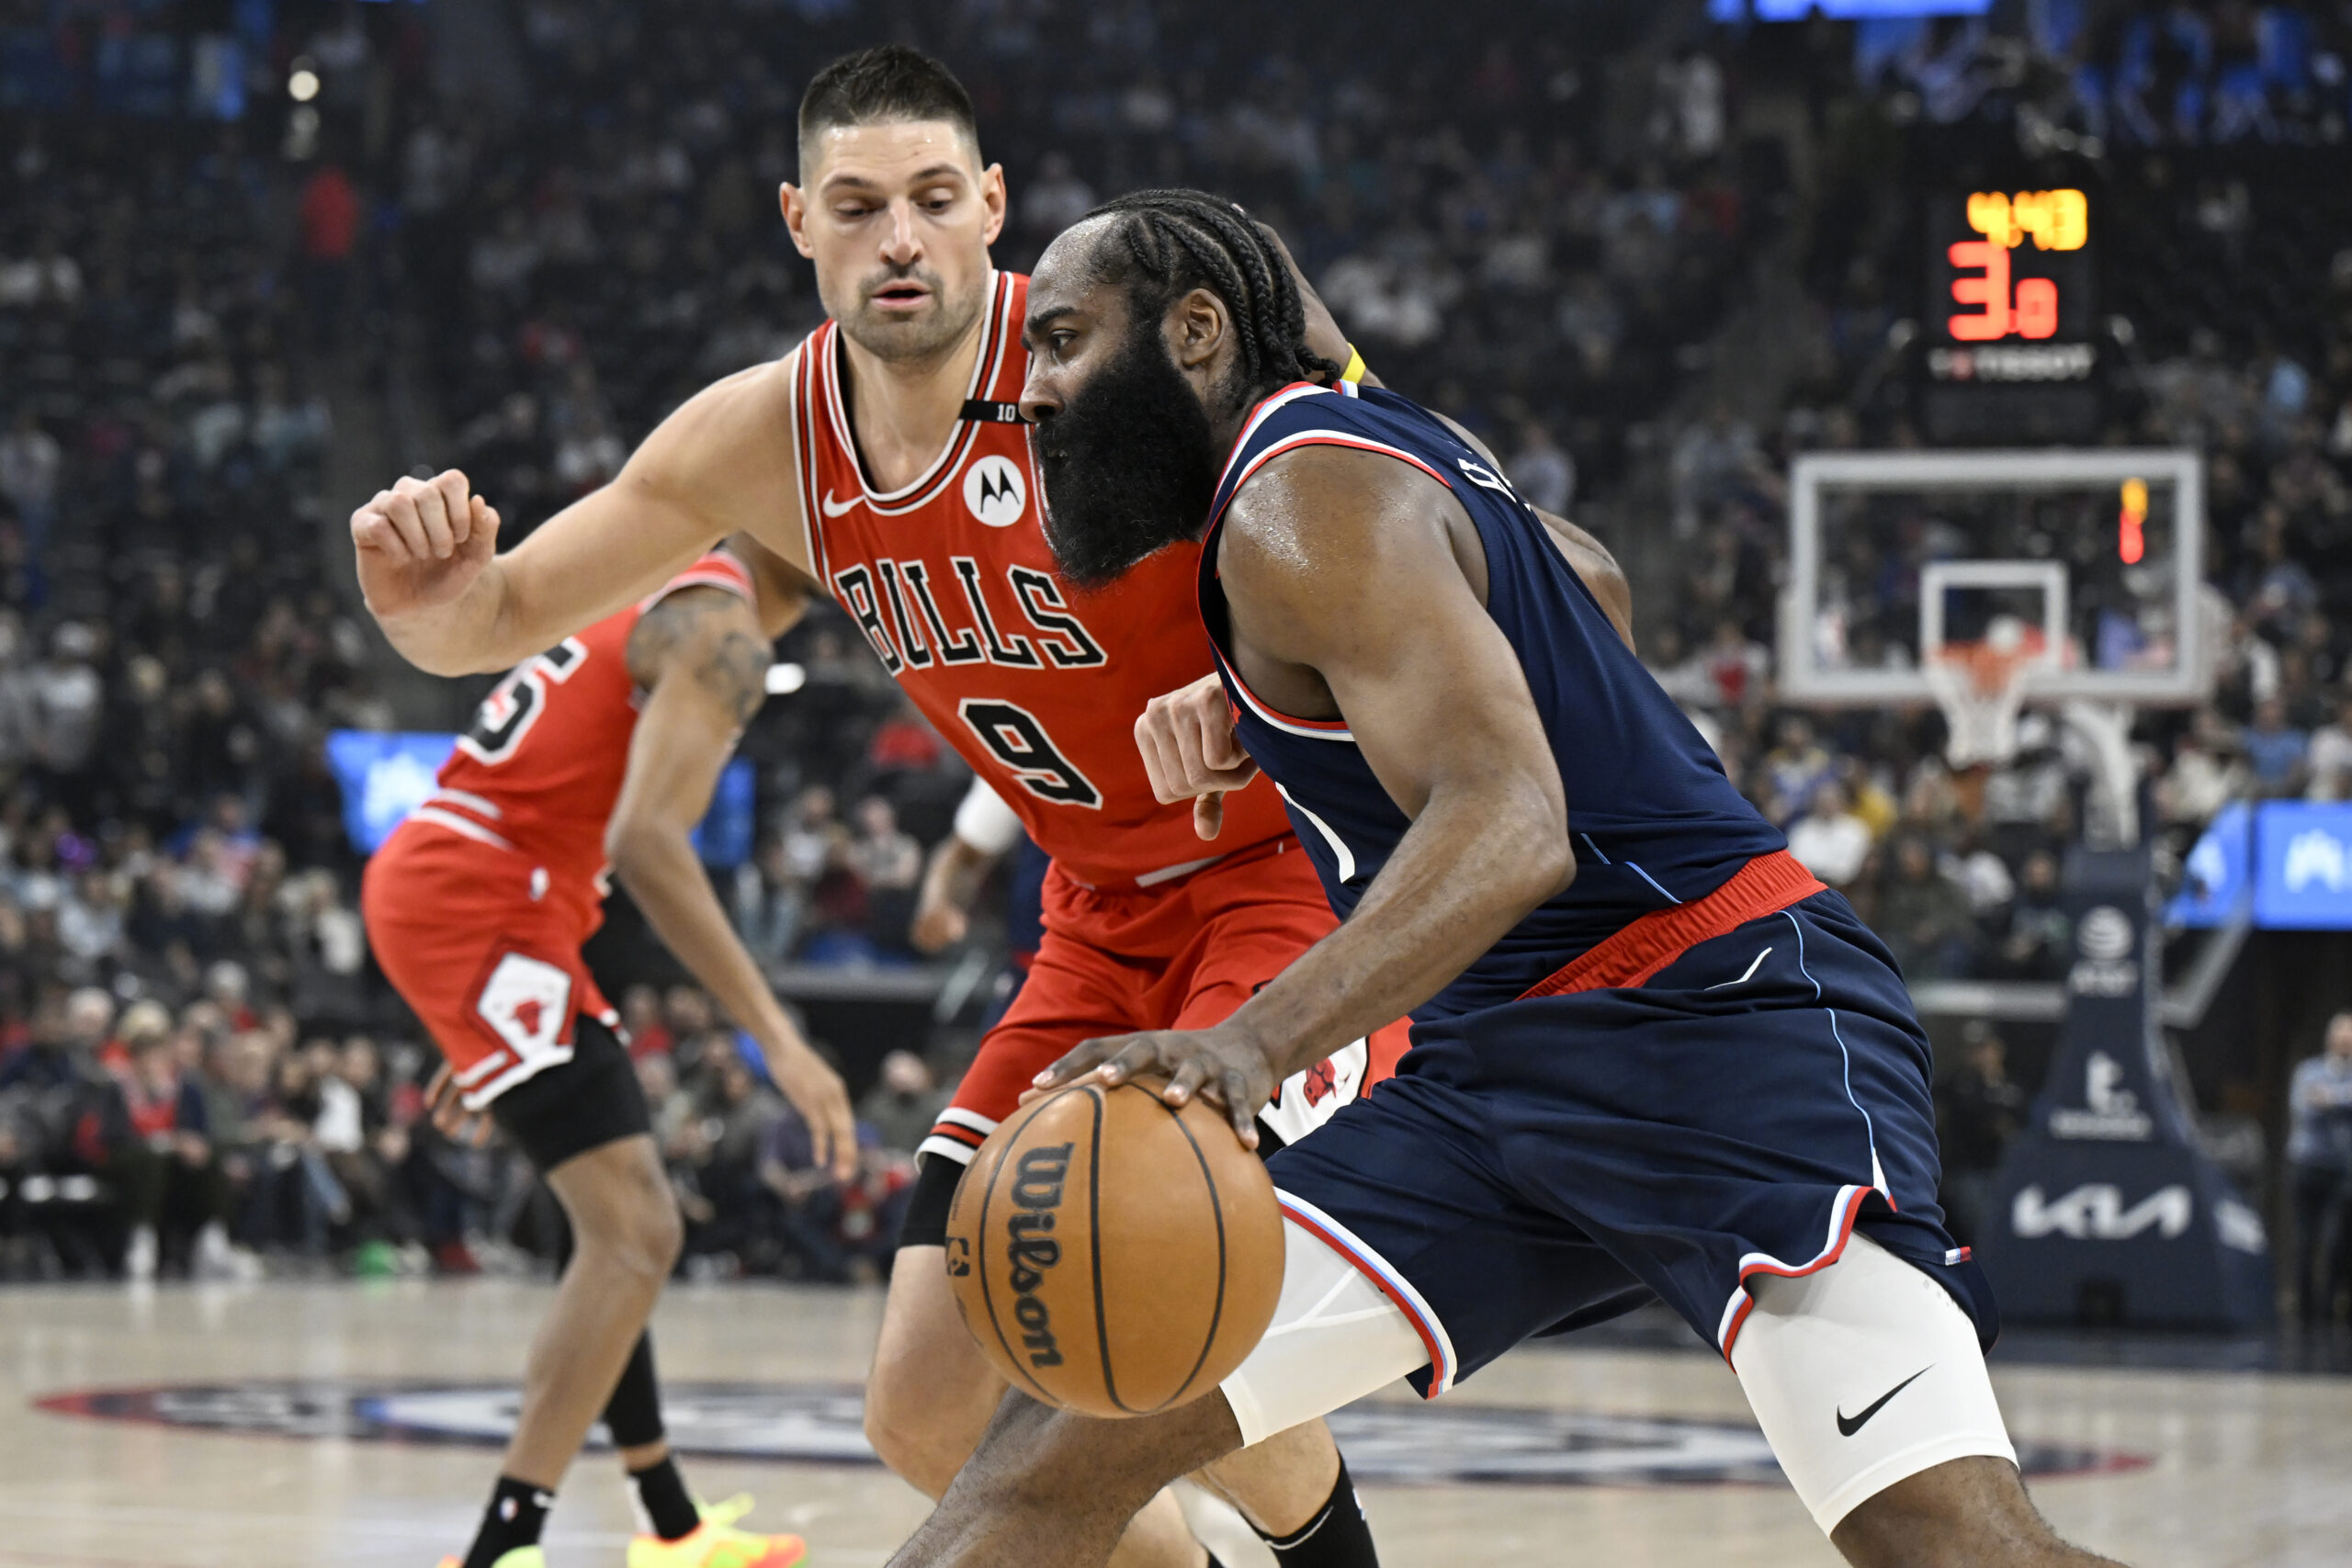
1850	1425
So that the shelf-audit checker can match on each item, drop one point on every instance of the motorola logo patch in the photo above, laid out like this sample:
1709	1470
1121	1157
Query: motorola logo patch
994	493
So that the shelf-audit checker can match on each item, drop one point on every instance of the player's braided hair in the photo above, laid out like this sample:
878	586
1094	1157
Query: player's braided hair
1170	242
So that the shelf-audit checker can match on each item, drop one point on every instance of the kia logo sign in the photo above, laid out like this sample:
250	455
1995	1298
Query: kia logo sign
2095	1212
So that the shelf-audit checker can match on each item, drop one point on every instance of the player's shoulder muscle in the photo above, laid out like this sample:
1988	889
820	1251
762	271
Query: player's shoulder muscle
1318	529
727	454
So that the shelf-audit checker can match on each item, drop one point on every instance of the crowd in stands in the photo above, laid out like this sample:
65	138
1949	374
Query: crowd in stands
616	245
567	263
233	1135
2127	74
2237	347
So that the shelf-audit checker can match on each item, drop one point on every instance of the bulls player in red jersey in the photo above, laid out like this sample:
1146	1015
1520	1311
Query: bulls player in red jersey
604	748
903	487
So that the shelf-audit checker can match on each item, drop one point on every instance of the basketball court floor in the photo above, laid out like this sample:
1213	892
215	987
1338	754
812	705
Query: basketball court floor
299	1426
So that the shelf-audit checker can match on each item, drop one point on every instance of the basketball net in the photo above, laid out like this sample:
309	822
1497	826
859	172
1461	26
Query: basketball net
1981	688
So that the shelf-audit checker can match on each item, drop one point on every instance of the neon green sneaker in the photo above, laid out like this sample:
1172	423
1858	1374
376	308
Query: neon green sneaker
717	1544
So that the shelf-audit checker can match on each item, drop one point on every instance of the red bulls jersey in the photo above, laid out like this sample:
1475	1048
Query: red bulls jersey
1039	688
542	766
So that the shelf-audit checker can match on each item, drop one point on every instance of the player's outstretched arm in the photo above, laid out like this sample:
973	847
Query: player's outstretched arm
426	548
1340	565
702	656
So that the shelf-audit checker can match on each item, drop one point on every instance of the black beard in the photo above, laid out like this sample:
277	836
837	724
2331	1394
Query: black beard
1130	465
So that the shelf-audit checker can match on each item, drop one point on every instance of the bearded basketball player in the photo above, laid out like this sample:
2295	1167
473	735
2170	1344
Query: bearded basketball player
1653	1058
885	461
600	752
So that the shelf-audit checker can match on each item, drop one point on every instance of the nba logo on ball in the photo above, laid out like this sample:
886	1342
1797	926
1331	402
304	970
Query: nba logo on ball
993	491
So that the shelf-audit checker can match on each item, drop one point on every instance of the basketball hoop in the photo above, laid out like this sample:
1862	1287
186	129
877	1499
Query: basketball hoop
1980	686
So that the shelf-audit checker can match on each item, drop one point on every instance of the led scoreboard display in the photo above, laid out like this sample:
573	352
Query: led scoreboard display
2010	316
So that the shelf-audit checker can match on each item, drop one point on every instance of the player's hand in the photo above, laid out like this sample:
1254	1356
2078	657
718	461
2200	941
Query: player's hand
817	1093
1225	1065
938	924
445	1106
422	543
1190	753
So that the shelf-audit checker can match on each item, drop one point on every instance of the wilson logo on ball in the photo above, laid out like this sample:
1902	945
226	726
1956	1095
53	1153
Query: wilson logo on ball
1113	1254
1036	1193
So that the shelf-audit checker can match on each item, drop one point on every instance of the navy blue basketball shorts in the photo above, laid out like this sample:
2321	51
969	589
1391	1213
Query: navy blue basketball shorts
1708	1138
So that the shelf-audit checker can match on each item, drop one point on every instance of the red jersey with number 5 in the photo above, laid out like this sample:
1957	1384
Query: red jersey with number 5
543	764
1039	687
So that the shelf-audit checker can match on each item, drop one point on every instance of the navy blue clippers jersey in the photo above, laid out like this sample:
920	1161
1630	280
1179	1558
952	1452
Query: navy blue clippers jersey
1655	821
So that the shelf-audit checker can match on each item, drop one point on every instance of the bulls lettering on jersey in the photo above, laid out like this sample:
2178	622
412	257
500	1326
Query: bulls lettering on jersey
952	582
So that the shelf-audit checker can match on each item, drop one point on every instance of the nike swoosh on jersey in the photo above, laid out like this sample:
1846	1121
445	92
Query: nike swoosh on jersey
1850	1425
836	508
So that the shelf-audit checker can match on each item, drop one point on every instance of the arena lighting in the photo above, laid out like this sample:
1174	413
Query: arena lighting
303	84
785	679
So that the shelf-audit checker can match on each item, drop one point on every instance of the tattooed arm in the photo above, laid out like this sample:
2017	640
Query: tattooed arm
702	656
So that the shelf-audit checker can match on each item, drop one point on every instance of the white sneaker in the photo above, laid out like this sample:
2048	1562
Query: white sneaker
139	1257
217	1257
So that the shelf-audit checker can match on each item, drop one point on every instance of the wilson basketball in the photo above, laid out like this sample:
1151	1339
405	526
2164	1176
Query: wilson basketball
1112	1254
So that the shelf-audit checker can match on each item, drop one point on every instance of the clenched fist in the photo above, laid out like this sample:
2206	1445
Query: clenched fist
422	544
1189	752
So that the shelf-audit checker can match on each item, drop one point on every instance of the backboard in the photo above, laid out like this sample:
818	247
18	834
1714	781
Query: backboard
2089	557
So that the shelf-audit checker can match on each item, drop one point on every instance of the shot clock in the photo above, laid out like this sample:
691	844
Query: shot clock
2010	315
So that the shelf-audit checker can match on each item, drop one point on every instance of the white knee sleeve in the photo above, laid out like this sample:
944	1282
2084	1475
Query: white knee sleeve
1862	1375
1335	1339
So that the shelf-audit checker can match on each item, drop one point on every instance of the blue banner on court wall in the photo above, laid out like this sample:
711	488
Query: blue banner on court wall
2218	877
2291	860
385	775
2303	865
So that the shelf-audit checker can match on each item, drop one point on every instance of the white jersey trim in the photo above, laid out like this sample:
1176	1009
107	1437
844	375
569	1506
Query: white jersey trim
464	826
1383	1274
520	1070
985	368
1289	726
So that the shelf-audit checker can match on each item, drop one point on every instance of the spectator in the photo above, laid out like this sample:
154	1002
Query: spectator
806	1198
770	903
329	220
2319	1174
63	706
2039	939
1979	1113
1924	919
2275	749
30	460
642	1020
1737	668
2208	771
1543	474
1829	840
162	1164
1795	768
741	1111
1056	199
2330	757
889	863
904	1103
